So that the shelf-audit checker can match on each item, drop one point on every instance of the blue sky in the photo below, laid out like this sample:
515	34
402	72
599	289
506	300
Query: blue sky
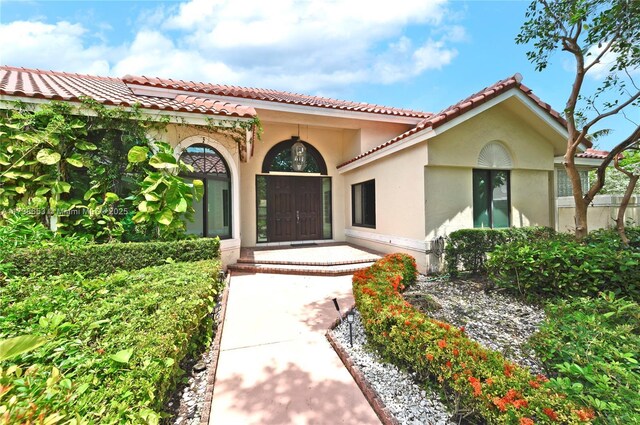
405	53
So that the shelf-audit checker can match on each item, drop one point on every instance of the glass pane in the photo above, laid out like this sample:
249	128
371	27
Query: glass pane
500	210
369	203
284	162
216	204
480	198
326	208
357	204
196	226
261	199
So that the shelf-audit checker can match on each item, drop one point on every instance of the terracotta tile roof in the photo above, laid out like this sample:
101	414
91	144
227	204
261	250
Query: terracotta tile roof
593	154
270	96
52	85
464	106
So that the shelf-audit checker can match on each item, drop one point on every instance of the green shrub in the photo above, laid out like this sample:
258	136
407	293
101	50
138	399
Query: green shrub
114	344
467	249
478	381
95	259
592	347
561	267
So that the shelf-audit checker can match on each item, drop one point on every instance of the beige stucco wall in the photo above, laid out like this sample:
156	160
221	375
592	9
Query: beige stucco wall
399	182
600	215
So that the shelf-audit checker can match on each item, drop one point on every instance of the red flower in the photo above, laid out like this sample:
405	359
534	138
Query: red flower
456	353
407	322
462	329
477	386
550	413
429	356
442	343
526	421
520	403
584	414
534	384
448	364
508	369
500	404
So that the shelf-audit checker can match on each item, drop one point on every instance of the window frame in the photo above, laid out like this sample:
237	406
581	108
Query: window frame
363	199
204	177
490	174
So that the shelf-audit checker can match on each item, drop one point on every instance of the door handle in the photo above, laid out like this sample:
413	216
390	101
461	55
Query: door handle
298	217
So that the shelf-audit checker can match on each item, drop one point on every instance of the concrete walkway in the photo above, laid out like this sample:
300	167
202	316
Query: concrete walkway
275	365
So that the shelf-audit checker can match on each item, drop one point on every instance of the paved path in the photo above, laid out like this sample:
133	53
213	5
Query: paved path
276	366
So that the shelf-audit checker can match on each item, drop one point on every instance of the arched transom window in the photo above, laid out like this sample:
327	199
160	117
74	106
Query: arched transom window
213	212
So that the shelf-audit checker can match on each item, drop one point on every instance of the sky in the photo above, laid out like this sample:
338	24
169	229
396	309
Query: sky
417	54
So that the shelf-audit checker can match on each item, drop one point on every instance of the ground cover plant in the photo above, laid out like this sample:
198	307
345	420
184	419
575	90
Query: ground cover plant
103	350
590	346
479	383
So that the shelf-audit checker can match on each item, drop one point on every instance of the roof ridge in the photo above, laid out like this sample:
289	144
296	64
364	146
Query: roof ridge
56	73
246	91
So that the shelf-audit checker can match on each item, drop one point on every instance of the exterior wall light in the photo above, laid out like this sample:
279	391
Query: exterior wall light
298	155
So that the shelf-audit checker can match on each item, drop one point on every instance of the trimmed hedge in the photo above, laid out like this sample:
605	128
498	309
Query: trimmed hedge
473	378
561	267
113	346
467	249
95	259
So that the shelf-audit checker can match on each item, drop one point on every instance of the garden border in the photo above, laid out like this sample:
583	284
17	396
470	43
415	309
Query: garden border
369	393
211	373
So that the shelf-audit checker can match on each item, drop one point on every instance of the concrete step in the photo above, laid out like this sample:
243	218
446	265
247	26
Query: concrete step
308	263
299	269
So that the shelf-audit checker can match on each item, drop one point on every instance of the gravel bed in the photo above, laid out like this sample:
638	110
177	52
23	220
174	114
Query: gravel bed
490	317
186	404
408	403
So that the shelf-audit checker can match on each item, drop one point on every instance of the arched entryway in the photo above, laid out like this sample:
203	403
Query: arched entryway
293	194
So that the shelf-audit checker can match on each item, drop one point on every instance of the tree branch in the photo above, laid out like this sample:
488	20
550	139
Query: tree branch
600	172
614	110
602	53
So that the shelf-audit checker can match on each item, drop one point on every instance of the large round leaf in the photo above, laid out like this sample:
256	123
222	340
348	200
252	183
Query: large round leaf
137	154
163	161
21	344
48	157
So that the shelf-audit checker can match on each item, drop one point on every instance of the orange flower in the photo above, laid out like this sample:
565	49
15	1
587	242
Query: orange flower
489	381
526	421
584	414
477	386
520	403
534	384
448	364
456	353
508	369
500	404
442	343
550	413
430	357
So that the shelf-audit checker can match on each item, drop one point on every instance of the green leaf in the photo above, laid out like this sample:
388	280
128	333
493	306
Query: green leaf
137	154
86	146
21	344
48	157
110	197
122	356
75	160
165	217
180	206
198	189
163	161
41	191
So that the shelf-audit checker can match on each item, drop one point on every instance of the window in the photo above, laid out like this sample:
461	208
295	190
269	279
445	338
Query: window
564	184
491	198
213	212
279	158
363	204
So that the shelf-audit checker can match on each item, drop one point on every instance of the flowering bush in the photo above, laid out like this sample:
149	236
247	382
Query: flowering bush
476	379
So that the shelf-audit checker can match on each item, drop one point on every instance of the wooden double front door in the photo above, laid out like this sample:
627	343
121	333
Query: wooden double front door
294	208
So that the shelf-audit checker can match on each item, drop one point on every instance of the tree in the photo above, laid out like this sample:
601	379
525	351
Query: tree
630	167
593	32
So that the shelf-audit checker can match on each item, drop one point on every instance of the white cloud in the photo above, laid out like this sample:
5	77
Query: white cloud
297	45
59	46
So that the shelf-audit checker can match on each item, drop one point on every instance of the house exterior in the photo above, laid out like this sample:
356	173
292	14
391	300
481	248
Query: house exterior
389	179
